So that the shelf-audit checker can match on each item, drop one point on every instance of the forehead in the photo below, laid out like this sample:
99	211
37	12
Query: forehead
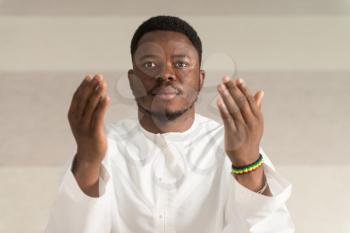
165	42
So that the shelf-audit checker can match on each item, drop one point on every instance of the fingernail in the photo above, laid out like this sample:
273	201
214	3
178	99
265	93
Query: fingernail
98	77
226	78
240	81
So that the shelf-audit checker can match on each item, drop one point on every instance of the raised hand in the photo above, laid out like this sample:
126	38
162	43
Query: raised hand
86	119
243	120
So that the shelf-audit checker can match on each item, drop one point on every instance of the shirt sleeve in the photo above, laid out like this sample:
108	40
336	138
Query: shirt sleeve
73	211
248	211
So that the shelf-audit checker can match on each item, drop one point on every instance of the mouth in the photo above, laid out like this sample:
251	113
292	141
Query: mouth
166	93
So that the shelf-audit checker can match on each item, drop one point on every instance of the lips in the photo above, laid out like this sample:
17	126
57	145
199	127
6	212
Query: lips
165	93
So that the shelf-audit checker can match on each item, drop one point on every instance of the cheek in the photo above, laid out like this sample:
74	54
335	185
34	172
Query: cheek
190	83
190	93
141	84
140	87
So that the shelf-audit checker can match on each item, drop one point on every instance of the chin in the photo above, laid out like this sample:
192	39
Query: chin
170	108
166	109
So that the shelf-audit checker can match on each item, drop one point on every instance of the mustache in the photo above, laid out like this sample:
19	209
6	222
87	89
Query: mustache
158	87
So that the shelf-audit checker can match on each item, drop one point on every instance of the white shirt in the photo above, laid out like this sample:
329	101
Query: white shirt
167	183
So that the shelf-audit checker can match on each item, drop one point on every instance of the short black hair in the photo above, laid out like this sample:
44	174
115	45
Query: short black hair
167	23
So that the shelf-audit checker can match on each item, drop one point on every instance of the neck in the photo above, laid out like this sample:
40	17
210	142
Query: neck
180	124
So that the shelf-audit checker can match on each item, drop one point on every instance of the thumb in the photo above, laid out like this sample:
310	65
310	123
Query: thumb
258	98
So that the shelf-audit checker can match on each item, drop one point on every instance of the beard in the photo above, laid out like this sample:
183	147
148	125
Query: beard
165	116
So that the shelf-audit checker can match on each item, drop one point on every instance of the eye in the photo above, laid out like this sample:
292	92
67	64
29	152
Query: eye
149	65
181	64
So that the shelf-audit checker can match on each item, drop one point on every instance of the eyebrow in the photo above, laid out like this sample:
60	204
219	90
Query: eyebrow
148	56
181	56
173	56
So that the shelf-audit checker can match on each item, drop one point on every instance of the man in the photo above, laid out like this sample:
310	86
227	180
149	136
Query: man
170	169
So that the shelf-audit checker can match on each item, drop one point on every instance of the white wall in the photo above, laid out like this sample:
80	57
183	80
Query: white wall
255	43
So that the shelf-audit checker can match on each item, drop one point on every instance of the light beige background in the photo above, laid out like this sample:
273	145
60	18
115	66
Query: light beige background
297	52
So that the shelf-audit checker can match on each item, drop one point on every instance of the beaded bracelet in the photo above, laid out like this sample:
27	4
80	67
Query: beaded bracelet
249	168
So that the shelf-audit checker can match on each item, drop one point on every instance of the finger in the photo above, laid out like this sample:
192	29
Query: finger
225	115
93	100
98	117
258	98
84	96
251	100
74	106
231	105
240	100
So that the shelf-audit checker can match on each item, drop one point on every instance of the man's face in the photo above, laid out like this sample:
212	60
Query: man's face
166	76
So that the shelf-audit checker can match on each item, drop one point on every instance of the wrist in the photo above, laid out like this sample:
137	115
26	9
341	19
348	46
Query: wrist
87	176
87	159
86	171
247	168
240	159
253	180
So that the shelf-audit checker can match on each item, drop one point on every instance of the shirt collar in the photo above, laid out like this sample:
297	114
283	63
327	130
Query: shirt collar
172	136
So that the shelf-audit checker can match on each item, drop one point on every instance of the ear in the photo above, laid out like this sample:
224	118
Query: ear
201	78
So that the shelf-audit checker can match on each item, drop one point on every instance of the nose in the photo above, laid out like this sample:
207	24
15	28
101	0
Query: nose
167	73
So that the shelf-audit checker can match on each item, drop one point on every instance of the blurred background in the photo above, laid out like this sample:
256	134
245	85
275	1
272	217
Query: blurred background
298	52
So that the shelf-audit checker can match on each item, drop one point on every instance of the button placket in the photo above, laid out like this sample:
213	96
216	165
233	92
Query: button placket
159	214
168	181
169	212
